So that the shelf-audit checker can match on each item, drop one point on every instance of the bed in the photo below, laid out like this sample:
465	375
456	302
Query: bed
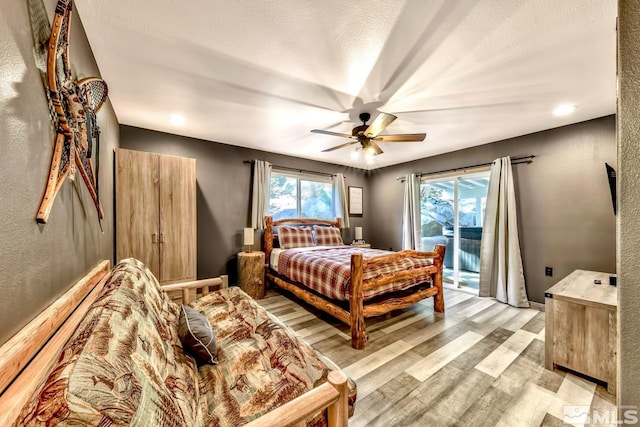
307	258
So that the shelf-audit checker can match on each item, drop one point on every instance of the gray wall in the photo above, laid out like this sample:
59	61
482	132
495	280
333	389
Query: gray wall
566	215
629	199
39	262
224	183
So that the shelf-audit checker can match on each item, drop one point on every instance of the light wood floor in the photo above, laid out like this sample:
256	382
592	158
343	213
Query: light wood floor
479	364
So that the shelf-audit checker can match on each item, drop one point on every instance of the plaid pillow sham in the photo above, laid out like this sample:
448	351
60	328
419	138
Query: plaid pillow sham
327	236
295	237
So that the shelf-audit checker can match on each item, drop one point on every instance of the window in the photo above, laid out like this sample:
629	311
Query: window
299	195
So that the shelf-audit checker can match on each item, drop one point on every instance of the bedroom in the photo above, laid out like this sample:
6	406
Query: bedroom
39	262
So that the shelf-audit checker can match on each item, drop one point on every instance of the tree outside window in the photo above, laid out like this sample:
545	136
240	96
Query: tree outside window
298	196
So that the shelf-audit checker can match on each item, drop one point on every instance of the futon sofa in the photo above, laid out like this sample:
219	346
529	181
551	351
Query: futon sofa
125	364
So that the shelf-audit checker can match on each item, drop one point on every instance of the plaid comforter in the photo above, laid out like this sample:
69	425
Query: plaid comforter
327	270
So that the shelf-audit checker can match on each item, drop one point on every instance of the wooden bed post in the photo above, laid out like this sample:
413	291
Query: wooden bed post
268	237
438	299
359	335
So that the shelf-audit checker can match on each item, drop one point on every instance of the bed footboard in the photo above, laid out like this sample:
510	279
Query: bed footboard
359	311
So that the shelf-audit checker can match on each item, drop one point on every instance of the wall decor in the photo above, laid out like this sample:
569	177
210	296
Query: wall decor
355	201
76	103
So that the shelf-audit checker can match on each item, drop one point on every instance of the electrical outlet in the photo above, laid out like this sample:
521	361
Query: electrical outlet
548	271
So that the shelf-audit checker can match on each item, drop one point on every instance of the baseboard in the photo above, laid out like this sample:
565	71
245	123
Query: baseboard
536	305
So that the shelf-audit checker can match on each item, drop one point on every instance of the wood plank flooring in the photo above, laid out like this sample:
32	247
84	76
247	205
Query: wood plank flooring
479	364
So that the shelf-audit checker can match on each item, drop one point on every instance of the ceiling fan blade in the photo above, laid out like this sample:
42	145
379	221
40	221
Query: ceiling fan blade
340	146
407	137
375	147
379	124
327	132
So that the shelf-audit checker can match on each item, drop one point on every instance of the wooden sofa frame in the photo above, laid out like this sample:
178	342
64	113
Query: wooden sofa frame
359	309
28	357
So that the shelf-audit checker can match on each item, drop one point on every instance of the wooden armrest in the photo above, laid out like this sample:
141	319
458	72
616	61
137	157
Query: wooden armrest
221	282
331	395
27	358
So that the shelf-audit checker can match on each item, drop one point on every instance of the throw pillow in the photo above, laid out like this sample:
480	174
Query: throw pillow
295	237
328	236
197	336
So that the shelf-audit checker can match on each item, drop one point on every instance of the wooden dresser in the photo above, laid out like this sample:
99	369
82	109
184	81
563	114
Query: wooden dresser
581	326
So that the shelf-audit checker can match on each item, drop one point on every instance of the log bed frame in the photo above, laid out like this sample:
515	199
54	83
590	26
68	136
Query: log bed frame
359	309
27	358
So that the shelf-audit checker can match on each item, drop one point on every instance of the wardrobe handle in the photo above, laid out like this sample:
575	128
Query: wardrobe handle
161	237
154	238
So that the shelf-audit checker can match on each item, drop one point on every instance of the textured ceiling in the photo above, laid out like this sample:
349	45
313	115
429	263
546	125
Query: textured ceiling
262	74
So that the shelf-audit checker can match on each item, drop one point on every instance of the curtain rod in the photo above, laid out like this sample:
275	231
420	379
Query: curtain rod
296	169
514	161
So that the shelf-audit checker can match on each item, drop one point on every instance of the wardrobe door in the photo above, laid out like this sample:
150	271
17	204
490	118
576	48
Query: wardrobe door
178	221
137	206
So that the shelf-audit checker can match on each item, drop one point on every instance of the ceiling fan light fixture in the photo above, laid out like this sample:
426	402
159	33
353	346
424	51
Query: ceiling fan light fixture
369	151
368	136
369	158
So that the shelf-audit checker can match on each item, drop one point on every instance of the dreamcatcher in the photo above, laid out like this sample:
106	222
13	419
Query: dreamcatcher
76	104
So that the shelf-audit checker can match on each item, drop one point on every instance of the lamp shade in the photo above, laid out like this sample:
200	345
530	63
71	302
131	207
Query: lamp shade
248	236
358	233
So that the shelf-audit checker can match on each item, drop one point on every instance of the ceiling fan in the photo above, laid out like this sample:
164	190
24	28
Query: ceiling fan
369	136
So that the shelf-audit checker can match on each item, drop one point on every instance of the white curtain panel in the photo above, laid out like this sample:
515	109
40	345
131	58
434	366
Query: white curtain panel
260	194
501	273
340	196
411	213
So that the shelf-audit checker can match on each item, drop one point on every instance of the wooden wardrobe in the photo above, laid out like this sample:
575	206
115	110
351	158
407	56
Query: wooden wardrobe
156	213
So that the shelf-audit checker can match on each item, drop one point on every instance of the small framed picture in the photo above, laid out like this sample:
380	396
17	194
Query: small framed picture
355	201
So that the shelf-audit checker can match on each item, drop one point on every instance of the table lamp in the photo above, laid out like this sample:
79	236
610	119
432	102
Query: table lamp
248	238
358	237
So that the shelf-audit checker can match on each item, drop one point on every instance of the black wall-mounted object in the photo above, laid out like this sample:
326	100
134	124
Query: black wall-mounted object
611	176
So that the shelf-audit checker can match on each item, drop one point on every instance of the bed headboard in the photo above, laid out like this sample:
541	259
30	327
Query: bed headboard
271	233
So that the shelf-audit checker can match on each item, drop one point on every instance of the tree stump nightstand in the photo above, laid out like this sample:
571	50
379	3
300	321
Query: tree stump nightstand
251	273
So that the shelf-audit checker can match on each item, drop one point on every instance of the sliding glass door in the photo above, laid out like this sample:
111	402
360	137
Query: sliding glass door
452	212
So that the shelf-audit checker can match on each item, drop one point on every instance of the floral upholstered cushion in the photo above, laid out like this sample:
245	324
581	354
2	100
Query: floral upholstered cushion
262	363
124	365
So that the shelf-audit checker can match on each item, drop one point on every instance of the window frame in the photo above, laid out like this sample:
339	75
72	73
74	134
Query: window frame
305	176
455	177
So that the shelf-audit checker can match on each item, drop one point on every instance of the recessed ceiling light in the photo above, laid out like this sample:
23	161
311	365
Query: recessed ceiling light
564	109
177	120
